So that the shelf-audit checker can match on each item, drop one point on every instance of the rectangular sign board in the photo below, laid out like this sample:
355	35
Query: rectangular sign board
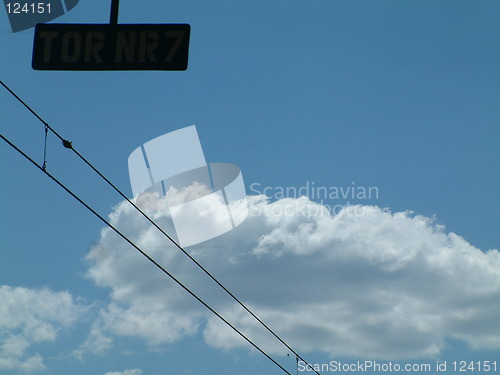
111	46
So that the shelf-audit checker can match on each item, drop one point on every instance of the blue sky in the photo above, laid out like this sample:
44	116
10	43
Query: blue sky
399	95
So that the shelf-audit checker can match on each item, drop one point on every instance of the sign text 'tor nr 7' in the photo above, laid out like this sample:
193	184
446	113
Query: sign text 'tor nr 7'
111	47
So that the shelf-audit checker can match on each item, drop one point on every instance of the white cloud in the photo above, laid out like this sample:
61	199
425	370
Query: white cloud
97	342
366	282
126	372
29	317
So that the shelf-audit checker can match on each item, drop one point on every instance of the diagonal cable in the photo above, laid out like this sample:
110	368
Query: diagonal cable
141	251
69	145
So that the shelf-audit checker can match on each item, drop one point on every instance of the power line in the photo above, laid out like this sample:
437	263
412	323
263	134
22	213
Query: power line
46	135
68	144
141	251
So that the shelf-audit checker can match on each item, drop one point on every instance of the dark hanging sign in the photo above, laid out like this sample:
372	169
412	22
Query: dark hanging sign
111	47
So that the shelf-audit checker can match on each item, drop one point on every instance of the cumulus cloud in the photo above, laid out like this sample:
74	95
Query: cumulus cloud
29	317
97	342
365	282
126	372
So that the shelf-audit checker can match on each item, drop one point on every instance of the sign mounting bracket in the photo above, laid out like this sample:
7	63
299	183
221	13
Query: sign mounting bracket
113	18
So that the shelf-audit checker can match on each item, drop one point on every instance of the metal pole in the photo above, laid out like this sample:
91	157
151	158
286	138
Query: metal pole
113	19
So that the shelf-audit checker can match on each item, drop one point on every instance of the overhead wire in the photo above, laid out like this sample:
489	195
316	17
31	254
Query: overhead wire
136	247
46	131
68	144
